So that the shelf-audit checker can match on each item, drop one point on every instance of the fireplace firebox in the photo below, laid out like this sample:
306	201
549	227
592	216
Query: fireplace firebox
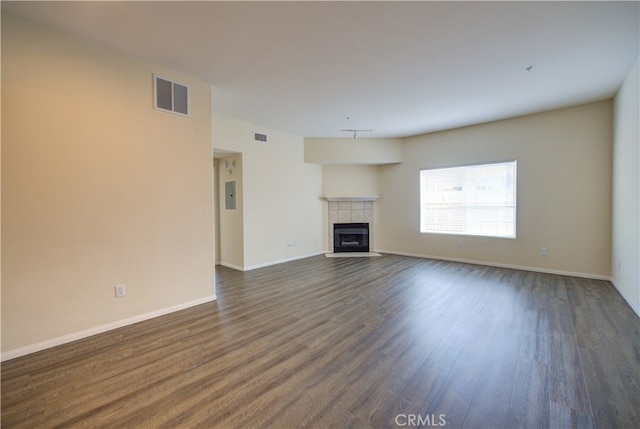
350	237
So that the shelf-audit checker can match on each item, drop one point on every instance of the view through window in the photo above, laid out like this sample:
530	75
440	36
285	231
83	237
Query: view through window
469	200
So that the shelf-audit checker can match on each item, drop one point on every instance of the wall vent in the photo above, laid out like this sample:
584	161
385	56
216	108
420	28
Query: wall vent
170	96
262	138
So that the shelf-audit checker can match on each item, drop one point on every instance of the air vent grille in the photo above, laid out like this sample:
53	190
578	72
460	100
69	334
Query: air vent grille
262	138
170	96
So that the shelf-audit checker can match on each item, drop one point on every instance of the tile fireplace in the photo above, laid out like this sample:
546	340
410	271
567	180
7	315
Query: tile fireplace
351	213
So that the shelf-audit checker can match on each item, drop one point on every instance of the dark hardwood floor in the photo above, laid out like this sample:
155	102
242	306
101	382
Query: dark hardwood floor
352	342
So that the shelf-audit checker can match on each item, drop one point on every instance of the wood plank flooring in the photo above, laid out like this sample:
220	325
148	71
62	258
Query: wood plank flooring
351	342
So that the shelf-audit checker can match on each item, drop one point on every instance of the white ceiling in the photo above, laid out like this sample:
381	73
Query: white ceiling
398	68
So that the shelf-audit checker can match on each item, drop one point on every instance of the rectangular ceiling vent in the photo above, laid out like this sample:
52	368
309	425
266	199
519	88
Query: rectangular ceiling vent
170	96
262	138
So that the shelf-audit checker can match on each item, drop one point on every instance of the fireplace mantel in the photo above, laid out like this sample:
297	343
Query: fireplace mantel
354	198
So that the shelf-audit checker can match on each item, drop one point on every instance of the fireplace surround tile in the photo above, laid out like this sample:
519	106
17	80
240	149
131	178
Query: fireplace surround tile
344	210
345	216
368	216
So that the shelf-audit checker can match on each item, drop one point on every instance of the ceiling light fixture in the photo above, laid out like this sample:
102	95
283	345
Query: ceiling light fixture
355	132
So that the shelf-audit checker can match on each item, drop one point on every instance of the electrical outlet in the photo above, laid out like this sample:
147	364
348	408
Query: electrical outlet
120	291
543	251
461	244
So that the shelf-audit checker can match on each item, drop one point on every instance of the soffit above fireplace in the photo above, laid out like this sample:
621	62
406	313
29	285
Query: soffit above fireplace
357	198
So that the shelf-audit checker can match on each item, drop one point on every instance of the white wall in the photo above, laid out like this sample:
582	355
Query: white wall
282	205
625	243
564	191
98	189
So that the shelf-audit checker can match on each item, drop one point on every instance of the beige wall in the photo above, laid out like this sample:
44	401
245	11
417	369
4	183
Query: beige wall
625	242
98	189
350	180
282	213
352	151
564	196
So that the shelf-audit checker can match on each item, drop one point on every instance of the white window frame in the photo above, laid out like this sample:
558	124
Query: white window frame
173	98
454	205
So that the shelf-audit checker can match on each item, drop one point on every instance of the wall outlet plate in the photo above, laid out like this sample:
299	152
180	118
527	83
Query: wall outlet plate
120	291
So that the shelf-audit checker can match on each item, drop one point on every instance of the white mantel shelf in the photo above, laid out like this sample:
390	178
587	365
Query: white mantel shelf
358	198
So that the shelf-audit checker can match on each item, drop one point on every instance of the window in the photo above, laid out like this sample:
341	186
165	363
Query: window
471	200
171	96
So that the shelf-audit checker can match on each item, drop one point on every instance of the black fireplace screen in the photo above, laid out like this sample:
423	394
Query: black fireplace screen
350	237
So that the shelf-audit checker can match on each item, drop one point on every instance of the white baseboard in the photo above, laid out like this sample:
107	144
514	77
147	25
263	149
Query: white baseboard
267	264
499	265
626	298
233	267
282	261
53	342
